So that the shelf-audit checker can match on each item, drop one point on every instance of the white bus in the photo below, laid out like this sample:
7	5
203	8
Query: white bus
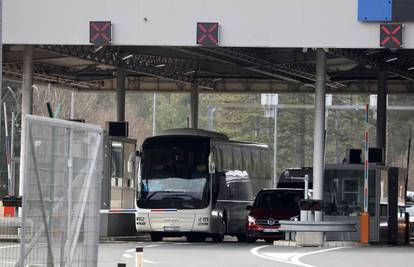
197	184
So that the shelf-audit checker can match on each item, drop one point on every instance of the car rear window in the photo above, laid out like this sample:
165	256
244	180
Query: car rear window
278	200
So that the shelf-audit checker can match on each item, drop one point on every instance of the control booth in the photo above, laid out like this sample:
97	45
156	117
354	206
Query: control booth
118	185
343	199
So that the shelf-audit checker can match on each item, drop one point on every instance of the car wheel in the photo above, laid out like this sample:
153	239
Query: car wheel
269	240
156	237
250	239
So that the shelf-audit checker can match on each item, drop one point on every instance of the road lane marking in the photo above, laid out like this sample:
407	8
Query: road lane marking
151	246
296	259
12	246
288	257
126	255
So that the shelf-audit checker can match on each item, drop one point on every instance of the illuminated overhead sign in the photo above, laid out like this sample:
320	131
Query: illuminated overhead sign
100	32
391	36
386	10
207	33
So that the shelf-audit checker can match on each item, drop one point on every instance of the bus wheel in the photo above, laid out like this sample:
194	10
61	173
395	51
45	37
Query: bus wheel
220	237
156	237
241	238
195	238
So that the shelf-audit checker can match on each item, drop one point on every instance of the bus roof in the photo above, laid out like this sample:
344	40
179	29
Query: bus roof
194	132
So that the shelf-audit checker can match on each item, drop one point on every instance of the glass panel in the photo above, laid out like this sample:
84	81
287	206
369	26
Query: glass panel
117	160
175	177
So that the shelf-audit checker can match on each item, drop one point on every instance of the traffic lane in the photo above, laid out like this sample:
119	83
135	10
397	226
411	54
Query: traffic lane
370	256
180	253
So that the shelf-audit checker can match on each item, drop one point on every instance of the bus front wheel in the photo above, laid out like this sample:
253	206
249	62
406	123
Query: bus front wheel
155	237
220	236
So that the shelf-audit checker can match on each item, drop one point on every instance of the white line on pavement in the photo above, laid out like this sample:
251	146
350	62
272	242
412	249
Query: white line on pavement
296	259
288	258
13	246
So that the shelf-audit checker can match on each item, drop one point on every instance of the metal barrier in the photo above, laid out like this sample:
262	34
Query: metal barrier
323	226
62	173
313	233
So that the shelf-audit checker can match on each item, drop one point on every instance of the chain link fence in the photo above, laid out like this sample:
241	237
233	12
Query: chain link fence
62	167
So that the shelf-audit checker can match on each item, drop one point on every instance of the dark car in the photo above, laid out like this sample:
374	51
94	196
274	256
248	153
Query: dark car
270	206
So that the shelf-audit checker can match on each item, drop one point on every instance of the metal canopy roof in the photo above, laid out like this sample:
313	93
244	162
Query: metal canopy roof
213	69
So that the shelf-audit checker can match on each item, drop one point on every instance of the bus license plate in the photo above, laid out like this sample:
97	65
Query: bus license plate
271	230
171	228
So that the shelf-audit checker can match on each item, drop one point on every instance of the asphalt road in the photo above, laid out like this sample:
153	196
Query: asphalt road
180	253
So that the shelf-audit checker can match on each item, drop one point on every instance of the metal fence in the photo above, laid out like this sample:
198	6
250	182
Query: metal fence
62	167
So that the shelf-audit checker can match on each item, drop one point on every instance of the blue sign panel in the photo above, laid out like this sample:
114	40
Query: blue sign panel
375	10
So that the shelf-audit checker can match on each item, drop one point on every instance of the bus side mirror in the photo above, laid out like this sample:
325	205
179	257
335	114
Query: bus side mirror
249	207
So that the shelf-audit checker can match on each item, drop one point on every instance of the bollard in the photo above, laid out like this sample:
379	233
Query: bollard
364	228
407	228
121	264
139	256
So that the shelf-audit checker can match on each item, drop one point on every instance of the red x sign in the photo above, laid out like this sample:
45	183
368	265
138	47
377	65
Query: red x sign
391	36
207	33
100	32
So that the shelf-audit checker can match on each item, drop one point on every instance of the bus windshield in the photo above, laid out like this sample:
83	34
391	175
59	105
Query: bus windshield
174	177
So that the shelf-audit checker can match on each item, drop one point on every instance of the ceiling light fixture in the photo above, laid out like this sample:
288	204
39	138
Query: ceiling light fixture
411	68
126	57
391	59
189	72
96	50
159	66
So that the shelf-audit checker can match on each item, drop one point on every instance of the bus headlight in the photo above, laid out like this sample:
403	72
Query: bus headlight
203	220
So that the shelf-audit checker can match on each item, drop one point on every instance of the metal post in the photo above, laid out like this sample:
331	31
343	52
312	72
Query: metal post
319	129
194	107
13	171
382	110
72	105
139	256
154	114
275	147
120	93
1	60
27	99
210	115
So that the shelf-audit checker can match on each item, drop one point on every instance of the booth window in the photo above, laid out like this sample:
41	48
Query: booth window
350	193
117	160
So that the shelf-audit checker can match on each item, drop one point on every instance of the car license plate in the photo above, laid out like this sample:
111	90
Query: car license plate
171	228
271	230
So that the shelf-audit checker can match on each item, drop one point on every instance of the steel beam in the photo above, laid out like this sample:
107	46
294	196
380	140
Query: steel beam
27	106
319	129
120	93
382	109
170	68
194	107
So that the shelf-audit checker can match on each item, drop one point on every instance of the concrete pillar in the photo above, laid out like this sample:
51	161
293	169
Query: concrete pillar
319	129
120	93
27	104
382	109
194	107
